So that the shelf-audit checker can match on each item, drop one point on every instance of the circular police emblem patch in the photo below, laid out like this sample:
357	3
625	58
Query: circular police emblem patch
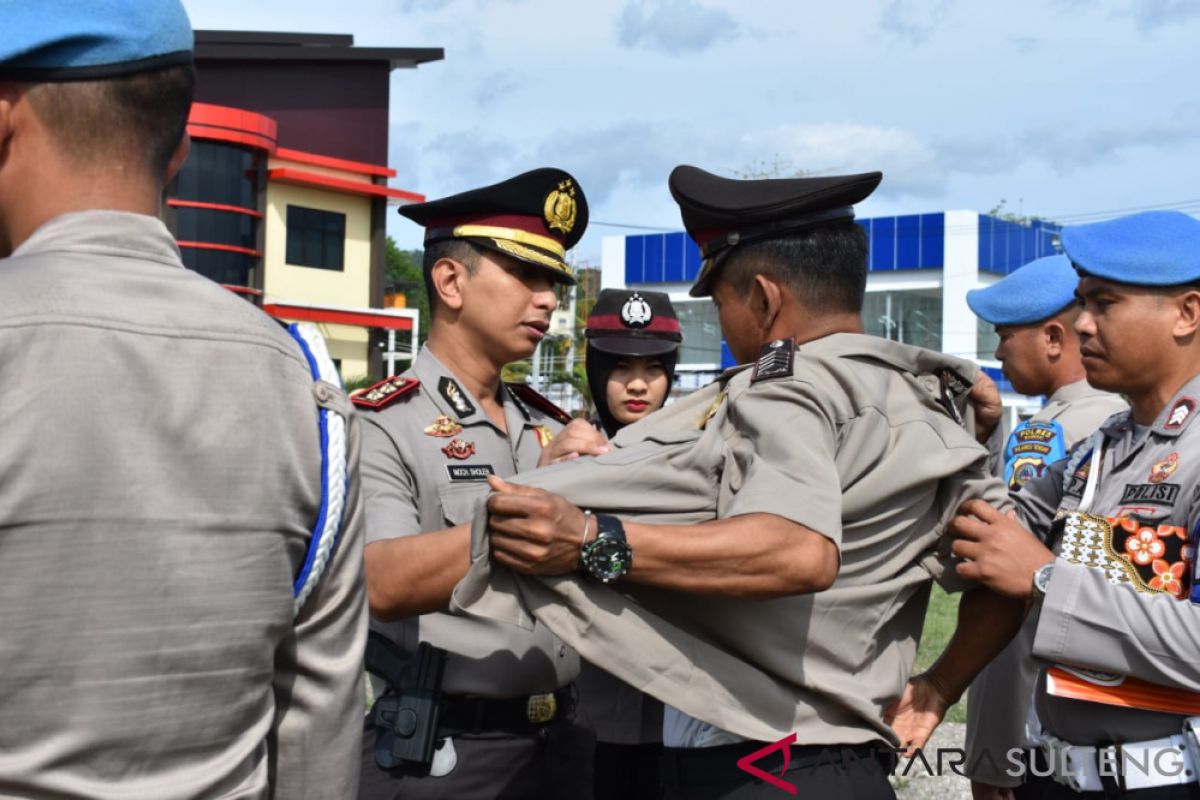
636	312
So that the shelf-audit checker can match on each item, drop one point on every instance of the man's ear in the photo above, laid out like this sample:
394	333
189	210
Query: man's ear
9	94
448	277
766	301
1188	319
1054	335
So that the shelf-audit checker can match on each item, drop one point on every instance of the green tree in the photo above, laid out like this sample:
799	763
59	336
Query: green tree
404	275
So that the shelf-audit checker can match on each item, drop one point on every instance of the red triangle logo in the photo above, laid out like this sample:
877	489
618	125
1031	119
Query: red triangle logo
746	763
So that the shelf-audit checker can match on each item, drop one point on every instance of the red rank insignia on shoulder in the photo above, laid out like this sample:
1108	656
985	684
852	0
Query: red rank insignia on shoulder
459	449
384	393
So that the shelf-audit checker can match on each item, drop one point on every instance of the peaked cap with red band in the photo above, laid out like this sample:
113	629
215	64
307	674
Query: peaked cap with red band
629	323
721	213
535	217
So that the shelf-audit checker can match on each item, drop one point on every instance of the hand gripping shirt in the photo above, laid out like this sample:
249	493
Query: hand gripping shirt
860	441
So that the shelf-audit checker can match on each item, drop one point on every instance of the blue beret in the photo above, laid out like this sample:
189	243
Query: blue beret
1035	292
64	40
1154	248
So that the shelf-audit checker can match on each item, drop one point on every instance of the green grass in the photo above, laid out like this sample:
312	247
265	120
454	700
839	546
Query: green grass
940	620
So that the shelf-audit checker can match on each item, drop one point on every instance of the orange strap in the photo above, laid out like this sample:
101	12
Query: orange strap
1121	690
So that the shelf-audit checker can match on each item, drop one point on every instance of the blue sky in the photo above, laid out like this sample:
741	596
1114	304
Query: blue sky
1064	108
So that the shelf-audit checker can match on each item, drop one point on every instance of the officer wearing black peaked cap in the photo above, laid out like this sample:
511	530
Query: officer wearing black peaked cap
502	721
820	476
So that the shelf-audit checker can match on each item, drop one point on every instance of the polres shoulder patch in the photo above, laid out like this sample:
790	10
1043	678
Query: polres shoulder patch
526	394
776	360
384	393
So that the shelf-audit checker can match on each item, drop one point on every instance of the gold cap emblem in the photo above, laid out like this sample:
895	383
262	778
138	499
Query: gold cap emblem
560	207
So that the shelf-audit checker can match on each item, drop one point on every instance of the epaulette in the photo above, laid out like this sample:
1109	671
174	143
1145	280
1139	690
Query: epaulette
384	393
776	360
526	394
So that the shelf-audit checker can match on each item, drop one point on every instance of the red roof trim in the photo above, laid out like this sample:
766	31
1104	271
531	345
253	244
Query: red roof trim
302	157
213	207
231	248
207	133
361	319
302	178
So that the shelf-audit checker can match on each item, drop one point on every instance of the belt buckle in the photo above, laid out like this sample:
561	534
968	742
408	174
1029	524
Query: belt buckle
541	708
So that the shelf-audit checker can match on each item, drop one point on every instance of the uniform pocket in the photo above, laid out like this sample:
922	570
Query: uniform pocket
459	503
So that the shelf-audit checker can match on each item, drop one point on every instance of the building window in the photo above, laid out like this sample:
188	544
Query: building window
701	330
219	173
911	316
221	266
315	238
987	340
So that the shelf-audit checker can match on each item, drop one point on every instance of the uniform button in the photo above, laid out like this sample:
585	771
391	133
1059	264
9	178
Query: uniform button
322	393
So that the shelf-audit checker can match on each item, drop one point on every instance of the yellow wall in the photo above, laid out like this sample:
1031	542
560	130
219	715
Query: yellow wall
350	287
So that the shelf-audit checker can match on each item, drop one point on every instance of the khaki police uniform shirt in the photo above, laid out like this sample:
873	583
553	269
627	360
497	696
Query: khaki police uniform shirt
853	443
416	480
999	699
1150	488
160	477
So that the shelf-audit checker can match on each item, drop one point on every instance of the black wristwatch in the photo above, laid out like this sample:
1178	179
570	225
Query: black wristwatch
609	556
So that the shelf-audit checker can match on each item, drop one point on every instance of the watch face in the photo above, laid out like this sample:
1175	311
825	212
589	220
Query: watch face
1041	578
607	559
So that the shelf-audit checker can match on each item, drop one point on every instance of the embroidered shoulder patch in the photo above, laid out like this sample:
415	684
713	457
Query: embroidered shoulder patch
384	393
525	393
1180	412
776	360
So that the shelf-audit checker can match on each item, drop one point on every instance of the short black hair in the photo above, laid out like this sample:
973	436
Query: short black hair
825	267
137	118
455	249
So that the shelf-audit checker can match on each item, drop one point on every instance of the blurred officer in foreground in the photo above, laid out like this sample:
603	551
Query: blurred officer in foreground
500	722
180	574
760	553
1034	312
1113	586
632	345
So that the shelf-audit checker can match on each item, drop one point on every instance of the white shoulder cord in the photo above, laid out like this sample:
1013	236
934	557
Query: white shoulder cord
1096	451
334	474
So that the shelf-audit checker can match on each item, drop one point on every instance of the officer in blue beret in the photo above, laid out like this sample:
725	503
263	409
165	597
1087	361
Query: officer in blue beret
183	604
1110	567
1034	312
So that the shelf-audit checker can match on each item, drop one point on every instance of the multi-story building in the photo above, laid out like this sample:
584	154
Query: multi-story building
283	198
921	266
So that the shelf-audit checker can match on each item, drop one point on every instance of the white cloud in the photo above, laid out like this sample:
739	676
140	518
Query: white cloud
674	26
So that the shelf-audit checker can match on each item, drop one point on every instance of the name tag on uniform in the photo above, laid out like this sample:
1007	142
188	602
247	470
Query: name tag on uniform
469	472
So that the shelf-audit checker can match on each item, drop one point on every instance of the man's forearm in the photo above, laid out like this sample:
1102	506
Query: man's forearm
756	556
986	623
412	575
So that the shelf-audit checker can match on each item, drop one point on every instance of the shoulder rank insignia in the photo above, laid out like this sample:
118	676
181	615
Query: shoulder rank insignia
775	361
524	393
443	427
455	396
385	392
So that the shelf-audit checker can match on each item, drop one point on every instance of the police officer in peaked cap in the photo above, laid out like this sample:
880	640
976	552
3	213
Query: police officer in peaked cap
502	721
757	555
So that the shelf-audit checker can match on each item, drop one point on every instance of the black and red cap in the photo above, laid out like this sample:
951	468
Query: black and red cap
721	213
534	217
633	323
